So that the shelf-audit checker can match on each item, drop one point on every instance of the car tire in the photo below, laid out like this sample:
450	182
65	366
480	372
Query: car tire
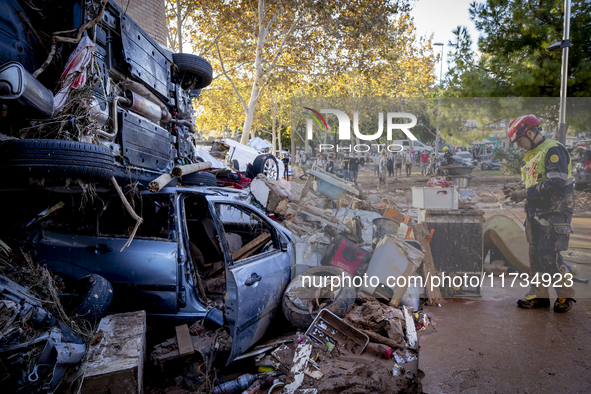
266	164
39	158
195	65
339	305
97	294
199	178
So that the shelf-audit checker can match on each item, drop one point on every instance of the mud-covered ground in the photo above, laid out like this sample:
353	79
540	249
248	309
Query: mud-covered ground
487	344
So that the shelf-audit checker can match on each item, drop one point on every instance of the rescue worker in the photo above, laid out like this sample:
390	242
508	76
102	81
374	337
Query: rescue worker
549	206
448	156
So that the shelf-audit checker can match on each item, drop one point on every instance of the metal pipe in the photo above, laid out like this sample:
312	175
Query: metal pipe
564	74
143	107
184	123
498	199
114	124
438	137
142	91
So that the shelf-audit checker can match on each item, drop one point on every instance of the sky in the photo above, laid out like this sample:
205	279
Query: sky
440	17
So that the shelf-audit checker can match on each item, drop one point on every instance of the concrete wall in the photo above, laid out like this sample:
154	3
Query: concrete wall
149	14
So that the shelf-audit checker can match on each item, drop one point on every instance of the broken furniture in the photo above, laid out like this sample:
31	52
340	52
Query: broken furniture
116	362
391	259
331	186
329	328
509	238
456	244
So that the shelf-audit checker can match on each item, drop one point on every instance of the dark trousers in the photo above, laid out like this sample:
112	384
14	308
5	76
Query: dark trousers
545	245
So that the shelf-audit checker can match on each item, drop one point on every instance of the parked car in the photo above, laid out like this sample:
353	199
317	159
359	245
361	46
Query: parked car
464	158
132	118
581	167
491	164
189	234
408	144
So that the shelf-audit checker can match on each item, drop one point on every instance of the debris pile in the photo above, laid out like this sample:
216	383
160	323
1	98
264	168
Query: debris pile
40	339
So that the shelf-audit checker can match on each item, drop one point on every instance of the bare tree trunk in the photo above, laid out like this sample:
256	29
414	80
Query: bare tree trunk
258	70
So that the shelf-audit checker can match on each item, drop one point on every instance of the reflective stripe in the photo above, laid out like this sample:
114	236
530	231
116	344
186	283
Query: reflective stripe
556	174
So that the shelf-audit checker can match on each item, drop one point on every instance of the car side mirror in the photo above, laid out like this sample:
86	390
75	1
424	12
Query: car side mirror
283	244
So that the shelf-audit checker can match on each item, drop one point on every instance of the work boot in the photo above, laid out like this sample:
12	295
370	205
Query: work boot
562	305
532	301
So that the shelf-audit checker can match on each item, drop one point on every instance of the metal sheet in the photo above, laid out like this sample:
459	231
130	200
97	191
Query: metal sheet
147	63
144	275
144	143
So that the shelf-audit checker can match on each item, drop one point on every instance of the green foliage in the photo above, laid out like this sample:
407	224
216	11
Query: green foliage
511	160
514	35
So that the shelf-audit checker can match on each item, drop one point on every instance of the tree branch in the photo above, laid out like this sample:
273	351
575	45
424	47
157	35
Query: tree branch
291	29
230	79
273	19
287	31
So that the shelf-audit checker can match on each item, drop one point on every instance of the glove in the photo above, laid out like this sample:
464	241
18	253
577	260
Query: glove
518	195
507	190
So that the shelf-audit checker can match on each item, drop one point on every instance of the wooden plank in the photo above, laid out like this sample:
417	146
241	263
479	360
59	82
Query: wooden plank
251	247
183	339
242	253
215	268
305	191
422	234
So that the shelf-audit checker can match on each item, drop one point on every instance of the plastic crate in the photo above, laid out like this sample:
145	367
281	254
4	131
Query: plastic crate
435	198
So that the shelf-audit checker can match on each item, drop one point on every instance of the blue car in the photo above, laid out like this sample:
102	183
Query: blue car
189	235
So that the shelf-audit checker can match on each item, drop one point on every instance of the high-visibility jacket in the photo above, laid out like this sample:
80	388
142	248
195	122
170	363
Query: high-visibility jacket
547	177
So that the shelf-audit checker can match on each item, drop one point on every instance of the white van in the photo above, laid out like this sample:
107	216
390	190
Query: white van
410	144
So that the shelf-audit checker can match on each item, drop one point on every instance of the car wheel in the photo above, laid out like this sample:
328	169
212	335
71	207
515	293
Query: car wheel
194	65
38	158
340	305
199	178
267	165
97	294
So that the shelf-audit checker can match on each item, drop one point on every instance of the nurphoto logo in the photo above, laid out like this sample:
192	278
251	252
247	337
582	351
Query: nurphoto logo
344	133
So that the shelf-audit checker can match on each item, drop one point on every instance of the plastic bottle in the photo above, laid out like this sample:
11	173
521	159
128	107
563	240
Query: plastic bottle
236	385
379	350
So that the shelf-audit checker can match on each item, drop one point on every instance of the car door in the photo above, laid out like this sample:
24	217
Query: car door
255	283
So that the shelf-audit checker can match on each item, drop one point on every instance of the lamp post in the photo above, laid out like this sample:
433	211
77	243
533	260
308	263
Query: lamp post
439	44
563	45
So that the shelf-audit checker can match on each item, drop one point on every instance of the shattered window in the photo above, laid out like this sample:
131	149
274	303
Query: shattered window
115	219
247	233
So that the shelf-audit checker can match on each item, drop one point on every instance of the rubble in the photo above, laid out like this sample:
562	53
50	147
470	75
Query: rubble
271	194
116	361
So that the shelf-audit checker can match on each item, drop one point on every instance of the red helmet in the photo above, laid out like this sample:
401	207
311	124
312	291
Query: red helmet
521	125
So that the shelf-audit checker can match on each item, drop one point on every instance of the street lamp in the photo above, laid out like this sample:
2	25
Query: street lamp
563	45
439	44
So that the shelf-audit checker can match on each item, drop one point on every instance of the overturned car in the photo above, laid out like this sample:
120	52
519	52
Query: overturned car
123	105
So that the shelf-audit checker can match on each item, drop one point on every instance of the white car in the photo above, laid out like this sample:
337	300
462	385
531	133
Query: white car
417	145
240	156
